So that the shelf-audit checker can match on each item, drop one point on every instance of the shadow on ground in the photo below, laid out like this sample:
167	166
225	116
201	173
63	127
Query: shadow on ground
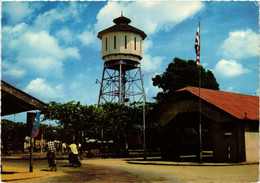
188	159
4	172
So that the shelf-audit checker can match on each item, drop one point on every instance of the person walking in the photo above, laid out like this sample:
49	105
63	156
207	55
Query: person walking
73	154
51	150
63	148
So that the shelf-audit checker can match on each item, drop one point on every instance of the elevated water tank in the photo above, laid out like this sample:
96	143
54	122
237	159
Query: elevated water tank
122	41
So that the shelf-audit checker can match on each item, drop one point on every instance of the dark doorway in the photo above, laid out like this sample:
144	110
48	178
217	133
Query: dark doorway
181	138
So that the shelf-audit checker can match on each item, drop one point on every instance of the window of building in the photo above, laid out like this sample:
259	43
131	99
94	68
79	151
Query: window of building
125	42
106	43
114	42
135	43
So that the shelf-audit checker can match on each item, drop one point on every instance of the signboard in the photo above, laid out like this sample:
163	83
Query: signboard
35	123
35	132
228	134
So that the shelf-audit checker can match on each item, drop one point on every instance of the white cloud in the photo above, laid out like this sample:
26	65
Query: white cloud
89	38
45	66
150	90
31	46
65	35
35	44
41	53
241	44
16	30
12	70
150	63
229	68
41	89
150	17
230	89
16	11
43	21
75	85
59	15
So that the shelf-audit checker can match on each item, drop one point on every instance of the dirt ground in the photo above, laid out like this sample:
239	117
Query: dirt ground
11	173
93	170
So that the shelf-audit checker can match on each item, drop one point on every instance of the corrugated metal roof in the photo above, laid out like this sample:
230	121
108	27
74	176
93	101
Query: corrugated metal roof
238	105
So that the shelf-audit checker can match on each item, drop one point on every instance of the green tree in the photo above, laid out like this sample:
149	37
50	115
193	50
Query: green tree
181	73
68	115
117	121
13	135
50	131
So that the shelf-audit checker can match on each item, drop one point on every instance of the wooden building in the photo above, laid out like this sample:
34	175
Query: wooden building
230	125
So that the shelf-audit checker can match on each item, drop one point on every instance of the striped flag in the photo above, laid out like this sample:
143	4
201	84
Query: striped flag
197	46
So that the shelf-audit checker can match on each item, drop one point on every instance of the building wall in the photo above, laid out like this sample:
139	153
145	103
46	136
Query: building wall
252	146
252	142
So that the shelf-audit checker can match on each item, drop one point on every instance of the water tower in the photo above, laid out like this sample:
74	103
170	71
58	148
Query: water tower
122	79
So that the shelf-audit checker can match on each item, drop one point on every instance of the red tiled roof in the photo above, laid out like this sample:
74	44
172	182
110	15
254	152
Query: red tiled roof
235	104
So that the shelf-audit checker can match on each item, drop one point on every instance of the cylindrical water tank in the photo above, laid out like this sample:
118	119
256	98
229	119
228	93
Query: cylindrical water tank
122	41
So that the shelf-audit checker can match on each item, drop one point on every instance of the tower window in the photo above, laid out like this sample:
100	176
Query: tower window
135	43
114	42
106	43
125	42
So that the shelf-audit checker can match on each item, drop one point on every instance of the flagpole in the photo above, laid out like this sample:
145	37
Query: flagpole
200	121
197	50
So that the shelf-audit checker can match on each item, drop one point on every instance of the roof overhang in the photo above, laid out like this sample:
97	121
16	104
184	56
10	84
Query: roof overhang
15	101
122	28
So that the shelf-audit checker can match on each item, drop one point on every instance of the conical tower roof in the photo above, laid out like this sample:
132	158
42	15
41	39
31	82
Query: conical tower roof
122	20
122	26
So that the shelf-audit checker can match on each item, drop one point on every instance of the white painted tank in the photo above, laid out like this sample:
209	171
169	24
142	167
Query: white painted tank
122	41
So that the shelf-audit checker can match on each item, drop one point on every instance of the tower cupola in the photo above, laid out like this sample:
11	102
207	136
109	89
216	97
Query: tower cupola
122	20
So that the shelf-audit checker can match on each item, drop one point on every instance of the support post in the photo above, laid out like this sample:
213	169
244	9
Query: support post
31	155
120	84
41	142
197	47
101	87
200	120
144	101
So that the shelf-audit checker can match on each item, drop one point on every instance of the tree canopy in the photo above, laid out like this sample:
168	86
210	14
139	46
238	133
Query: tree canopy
13	135
181	73
116	120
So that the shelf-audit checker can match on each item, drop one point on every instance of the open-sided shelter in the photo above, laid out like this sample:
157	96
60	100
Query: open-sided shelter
15	101
230	125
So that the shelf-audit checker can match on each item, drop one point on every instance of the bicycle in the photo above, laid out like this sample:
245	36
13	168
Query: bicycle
52	162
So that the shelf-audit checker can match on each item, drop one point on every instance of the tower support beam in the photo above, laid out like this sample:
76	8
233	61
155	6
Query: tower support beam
121	83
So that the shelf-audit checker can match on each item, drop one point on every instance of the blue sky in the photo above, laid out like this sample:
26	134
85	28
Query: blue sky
51	50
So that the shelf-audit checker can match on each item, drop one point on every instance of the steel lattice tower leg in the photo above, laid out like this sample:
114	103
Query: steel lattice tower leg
122	85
